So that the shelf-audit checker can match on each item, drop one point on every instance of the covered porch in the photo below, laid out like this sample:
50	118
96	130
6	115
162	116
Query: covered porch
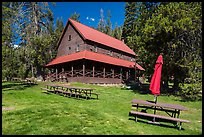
88	71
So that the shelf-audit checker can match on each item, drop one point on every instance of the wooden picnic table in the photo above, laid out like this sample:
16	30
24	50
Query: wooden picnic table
51	88
174	108
26	80
173	111
71	90
78	90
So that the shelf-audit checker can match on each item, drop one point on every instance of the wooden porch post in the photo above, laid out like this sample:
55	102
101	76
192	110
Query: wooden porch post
121	73
104	72
93	70
112	73
83	69
126	74
56	72
72	70
49	73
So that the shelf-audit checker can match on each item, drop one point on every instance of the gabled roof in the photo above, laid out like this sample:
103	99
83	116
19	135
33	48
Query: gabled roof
94	57
91	34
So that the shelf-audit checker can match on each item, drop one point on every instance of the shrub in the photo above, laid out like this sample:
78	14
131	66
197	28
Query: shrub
191	92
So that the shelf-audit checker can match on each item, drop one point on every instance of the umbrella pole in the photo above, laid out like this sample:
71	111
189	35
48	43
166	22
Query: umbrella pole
155	100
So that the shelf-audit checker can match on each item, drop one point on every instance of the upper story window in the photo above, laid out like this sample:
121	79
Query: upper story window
119	55
95	49
131	59
69	37
77	48
110	53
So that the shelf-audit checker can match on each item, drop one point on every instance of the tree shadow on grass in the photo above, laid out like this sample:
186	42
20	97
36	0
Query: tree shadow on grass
16	86
143	88
138	87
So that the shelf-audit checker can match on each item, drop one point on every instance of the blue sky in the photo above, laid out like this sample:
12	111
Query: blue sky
90	11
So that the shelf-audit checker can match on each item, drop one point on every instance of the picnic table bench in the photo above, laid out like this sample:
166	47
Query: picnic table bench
168	108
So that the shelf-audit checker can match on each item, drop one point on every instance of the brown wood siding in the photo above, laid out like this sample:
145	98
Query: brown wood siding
90	46
67	47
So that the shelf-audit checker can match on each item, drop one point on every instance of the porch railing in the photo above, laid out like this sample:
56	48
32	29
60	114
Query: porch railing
79	73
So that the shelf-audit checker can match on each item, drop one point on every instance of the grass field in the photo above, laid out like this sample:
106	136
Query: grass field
27	110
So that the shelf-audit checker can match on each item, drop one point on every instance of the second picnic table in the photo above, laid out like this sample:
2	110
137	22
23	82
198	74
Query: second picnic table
173	110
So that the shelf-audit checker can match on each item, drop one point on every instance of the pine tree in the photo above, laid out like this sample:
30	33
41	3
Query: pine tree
75	16
167	29
101	24
34	24
130	16
109	24
117	32
9	59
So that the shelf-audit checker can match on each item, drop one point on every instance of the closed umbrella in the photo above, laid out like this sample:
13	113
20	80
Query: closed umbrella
156	78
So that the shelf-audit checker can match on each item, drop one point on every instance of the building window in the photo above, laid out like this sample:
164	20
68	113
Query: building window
77	48
91	49
110	53
69	37
119	55
95	49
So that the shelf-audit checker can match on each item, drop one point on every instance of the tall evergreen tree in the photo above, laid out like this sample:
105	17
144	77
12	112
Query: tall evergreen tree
117	32
34	20
75	16
109	24
9	62
34	24
135	39
178	36
101	24
130	16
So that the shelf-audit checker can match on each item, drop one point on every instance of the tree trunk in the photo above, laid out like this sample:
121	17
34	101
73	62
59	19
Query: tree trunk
176	85
39	73
28	67
165	84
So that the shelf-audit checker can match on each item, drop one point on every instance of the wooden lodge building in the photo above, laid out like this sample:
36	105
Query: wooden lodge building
89	56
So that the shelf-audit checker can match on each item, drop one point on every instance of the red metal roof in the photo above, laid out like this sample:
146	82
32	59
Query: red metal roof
99	37
94	57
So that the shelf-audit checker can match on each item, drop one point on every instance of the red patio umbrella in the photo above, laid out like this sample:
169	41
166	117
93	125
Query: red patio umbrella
156	78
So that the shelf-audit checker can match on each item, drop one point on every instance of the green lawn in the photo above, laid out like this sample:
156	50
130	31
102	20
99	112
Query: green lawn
37	113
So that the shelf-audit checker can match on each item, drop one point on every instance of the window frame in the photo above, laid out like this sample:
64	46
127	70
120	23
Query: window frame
69	37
